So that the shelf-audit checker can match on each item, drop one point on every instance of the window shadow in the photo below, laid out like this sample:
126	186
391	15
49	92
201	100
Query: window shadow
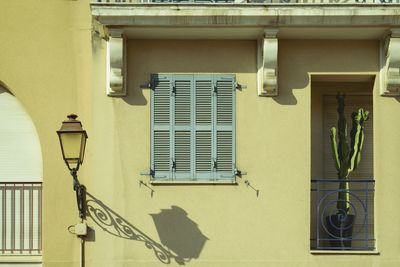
180	237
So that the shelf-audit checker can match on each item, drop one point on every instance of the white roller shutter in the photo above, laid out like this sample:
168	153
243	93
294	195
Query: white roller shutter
20	180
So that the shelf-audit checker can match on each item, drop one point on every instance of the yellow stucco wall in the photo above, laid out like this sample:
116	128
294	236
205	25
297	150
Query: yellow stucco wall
54	66
45	59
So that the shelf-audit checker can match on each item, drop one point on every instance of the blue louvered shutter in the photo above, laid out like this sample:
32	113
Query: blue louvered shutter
182	127
161	133
193	127
224	127
203	127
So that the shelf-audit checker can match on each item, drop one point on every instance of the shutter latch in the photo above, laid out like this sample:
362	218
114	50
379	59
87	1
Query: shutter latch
150	172
240	86
173	165
146	86
215	164
215	89
173	88
239	172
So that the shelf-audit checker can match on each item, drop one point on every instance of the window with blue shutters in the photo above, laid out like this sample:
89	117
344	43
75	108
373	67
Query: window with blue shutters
193	127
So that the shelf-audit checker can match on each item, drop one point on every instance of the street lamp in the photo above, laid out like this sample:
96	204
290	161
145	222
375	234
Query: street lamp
73	141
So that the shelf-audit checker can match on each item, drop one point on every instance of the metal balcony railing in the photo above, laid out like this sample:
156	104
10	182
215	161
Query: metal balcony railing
316	2
20	218
165	1
338	224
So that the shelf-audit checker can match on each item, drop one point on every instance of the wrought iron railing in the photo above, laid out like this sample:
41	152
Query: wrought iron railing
310	2
20	217
347	226
165	1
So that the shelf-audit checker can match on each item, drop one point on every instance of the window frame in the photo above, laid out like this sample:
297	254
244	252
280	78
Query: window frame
215	175
325	185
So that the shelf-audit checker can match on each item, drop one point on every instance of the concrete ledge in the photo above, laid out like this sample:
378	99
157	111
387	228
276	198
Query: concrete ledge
246	21
245	14
191	183
347	4
20	259
344	252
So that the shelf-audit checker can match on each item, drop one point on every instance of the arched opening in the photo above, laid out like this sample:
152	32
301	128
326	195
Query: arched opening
20	153
21	174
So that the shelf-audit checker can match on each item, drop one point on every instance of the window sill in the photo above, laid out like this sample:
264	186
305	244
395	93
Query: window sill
344	252
20	258
193	183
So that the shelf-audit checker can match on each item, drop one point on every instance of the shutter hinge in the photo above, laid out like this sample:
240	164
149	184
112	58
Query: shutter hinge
240	86
146	86
239	172
150	172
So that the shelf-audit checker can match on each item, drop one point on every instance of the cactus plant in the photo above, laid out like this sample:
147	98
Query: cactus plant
347	158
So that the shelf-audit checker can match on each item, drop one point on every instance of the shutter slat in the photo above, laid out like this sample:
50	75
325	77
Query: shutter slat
182	151
203	102
161	151
162	102
203	151
224	151
224	102
182	102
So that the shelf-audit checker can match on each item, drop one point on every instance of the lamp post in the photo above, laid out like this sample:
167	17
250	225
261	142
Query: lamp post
73	142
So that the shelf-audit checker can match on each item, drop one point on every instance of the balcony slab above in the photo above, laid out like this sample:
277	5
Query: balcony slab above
160	14
248	21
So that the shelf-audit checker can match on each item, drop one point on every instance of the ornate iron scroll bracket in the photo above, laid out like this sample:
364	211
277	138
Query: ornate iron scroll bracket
267	63
390	64
116	69
80	194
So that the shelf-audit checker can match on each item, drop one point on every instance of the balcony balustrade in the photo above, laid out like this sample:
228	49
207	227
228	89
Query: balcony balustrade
309	2
20	218
340	224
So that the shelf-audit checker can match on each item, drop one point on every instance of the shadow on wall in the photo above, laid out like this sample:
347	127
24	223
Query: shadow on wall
4	88
146	57
135	95
179	233
180	236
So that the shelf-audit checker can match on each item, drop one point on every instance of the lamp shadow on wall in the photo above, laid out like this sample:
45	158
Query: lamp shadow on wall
179	233
181	238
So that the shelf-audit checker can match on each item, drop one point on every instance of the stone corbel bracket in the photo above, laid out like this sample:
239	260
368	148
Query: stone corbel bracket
267	63
116	69
390	64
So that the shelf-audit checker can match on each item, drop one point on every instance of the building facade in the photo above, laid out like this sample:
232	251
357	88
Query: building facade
208	125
